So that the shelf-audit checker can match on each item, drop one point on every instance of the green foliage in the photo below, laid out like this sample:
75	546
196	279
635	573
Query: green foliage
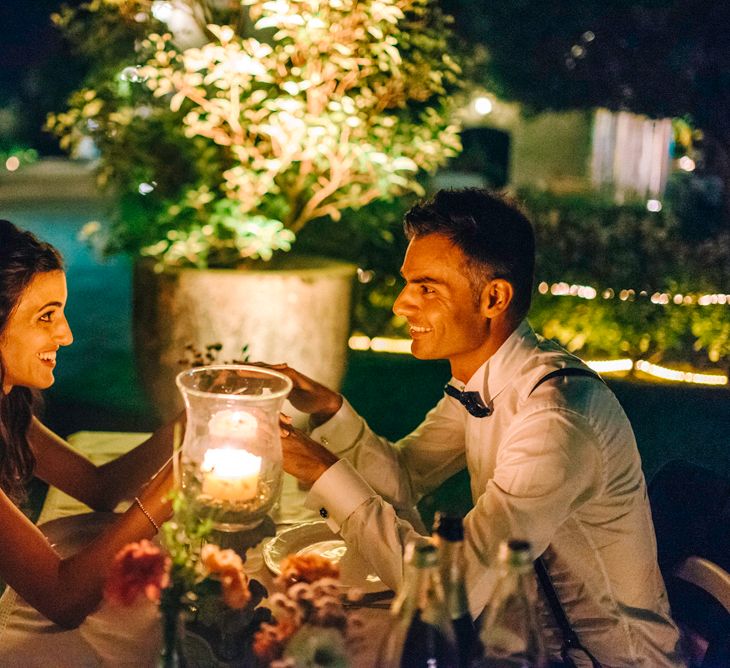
371	237
23	155
586	241
183	536
226	237
227	135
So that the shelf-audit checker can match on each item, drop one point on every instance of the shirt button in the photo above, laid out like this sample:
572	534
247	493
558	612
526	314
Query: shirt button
324	441
323	513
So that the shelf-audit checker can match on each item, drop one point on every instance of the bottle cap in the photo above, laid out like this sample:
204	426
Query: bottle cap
515	552
421	556
448	526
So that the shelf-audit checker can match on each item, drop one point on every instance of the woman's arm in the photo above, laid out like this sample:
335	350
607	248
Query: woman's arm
67	590
100	488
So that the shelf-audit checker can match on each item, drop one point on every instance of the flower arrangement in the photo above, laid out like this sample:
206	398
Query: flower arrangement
196	584
228	125
206	599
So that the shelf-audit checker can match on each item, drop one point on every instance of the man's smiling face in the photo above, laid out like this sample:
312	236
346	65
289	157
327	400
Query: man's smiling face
440	306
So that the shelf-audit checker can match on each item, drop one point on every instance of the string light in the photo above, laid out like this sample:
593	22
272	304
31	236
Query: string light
611	366
680	376
383	344
563	289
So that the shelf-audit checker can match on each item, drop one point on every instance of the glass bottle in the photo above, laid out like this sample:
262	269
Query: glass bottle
510	633
420	633
448	535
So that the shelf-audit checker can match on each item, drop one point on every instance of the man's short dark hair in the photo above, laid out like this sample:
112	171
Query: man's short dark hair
492	232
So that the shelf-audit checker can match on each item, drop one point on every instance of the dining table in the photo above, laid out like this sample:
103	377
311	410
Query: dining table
115	635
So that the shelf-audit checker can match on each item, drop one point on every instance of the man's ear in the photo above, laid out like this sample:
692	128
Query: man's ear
496	297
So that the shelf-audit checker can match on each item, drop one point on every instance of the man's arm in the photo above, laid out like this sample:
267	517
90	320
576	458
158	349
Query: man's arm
546	468
401	472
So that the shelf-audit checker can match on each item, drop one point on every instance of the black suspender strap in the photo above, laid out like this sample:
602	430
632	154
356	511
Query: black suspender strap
567	371
570	638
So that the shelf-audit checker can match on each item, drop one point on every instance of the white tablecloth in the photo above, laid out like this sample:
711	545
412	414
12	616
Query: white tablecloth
115	635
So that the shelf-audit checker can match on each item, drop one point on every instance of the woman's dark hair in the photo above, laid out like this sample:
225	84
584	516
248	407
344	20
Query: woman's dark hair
22	256
496	238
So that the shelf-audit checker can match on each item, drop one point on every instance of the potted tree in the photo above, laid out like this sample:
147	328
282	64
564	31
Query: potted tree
225	127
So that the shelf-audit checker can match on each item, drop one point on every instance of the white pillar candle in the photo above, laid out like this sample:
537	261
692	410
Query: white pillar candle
230	474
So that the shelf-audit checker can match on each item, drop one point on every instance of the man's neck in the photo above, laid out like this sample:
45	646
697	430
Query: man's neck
464	366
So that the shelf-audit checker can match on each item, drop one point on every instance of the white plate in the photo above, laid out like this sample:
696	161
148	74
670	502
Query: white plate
70	534
317	538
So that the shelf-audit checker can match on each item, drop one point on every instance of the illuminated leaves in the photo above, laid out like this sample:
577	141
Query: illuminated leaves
288	110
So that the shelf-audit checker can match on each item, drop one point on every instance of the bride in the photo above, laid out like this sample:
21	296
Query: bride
32	329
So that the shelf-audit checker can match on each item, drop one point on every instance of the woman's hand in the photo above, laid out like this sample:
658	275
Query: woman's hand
308	395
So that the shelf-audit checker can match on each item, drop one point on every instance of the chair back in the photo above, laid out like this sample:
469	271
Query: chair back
691	509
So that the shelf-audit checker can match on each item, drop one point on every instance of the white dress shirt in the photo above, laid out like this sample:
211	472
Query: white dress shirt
558	466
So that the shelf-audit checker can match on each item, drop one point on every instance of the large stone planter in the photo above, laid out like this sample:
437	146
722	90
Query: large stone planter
299	315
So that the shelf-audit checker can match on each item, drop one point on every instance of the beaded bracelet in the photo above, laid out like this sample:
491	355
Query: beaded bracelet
147	515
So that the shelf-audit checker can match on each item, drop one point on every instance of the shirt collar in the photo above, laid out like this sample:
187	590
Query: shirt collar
492	376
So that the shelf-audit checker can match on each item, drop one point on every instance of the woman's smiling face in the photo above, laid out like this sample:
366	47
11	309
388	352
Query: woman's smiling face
35	331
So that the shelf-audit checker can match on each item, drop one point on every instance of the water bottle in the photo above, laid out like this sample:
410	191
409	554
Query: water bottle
448	535
420	635
510	633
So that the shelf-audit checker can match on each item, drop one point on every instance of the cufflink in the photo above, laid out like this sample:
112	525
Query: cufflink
323	513
324	441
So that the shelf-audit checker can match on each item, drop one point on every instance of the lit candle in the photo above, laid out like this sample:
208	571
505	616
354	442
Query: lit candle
230	474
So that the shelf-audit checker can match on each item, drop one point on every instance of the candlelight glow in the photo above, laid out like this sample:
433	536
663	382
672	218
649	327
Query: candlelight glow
230	474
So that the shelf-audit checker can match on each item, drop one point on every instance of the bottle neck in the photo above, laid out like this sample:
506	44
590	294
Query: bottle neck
451	556
422	591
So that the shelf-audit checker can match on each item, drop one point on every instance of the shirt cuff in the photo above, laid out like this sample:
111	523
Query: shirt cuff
337	493
341	430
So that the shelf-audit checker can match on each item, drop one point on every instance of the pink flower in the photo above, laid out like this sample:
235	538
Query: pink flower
138	569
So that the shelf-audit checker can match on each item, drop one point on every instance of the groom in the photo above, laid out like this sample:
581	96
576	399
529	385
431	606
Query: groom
551	455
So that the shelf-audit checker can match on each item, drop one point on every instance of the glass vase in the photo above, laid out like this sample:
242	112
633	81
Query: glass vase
231	460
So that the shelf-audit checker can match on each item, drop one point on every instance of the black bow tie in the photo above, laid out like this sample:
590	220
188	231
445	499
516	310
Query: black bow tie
471	400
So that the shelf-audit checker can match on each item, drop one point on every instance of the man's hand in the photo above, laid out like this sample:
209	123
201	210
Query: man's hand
308	395
304	458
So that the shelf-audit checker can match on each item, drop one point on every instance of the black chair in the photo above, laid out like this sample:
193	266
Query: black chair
691	509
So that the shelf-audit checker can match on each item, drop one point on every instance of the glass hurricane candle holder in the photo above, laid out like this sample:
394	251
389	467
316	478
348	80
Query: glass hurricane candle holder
231	461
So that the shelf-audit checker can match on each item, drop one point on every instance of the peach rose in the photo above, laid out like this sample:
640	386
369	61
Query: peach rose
228	566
